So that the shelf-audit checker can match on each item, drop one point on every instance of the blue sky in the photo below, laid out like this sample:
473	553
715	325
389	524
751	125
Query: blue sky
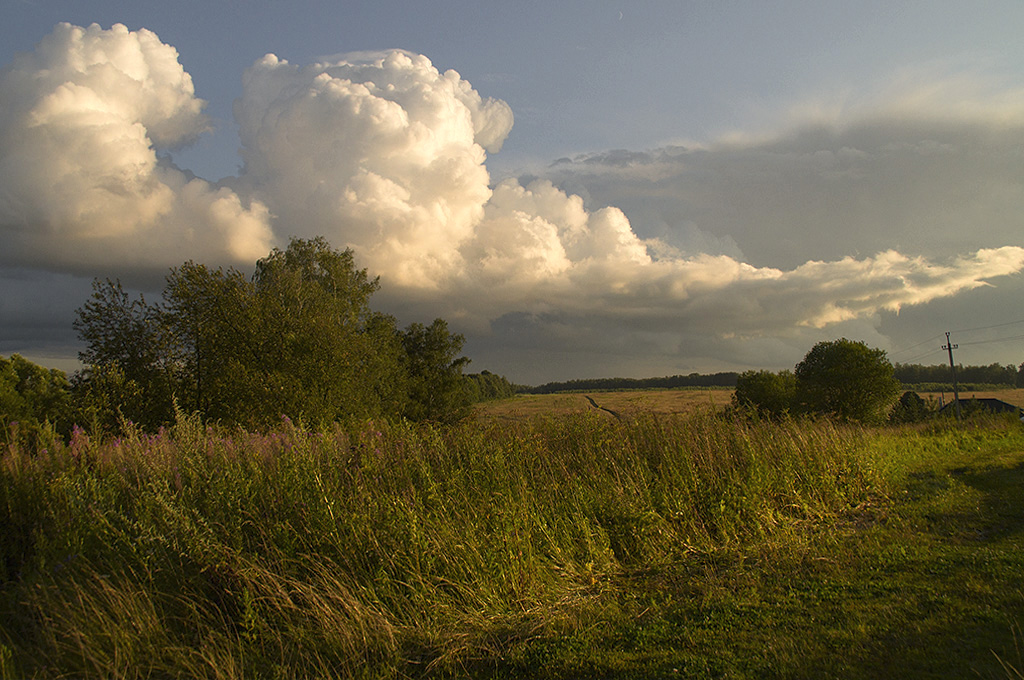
686	186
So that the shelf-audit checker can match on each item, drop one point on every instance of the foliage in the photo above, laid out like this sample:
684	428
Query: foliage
326	337
437	390
991	374
298	338
33	400
485	386
726	379
105	398
211	318
848	380
131	372
771	393
911	408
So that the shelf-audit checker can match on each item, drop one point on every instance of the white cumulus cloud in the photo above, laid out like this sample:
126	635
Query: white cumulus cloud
384	153
81	184
379	152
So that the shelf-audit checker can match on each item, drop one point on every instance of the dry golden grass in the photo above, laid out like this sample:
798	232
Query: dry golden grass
1010	395
662	402
527	406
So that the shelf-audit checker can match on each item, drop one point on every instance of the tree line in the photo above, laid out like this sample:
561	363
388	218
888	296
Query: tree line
298	338
485	386
725	379
940	374
908	375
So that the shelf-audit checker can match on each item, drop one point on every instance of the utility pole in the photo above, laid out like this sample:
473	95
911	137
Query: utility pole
956	395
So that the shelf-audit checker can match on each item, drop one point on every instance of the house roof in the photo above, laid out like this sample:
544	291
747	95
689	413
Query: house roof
987	403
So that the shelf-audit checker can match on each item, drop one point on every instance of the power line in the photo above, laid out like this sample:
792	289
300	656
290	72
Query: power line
919	356
907	349
985	328
965	344
985	342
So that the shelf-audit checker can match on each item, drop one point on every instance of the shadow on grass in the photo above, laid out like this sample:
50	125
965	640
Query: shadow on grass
1002	513
957	578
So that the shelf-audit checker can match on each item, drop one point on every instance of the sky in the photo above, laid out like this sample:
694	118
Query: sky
582	189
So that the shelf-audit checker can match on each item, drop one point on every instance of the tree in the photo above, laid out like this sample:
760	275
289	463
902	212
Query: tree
209	316
34	397
484	386
298	338
437	390
127	333
104	397
329	353
772	393
911	408
848	380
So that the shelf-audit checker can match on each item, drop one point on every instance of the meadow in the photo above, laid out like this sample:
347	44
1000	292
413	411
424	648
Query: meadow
628	403
665	402
698	543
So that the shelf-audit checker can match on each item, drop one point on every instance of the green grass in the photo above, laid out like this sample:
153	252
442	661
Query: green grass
695	546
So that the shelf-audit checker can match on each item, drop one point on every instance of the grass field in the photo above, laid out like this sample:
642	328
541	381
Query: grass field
1011	396
661	402
580	545
626	403
925	583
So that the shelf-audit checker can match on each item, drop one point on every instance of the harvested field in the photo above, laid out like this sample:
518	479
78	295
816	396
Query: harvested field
662	402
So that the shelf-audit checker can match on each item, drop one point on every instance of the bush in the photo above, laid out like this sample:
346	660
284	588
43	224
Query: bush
771	393
848	380
911	408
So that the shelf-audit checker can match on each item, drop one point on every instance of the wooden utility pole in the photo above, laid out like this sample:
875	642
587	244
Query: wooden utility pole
956	394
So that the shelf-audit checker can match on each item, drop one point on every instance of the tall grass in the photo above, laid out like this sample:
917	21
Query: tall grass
378	550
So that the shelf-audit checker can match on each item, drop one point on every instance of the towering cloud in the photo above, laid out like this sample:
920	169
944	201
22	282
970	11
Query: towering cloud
380	152
81	184
384	153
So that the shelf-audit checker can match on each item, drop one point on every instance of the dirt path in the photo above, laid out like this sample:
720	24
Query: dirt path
601	408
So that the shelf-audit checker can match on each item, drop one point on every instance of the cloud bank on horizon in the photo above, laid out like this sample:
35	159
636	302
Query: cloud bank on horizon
385	154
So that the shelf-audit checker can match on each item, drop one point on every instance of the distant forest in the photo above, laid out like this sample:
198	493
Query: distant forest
692	380
936	377
993	374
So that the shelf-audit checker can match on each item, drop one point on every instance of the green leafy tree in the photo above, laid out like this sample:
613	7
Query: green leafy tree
298	338
125	332
327	353
911	408
437	389
34	397
771	393
848	380
210	317
484	386
104	397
